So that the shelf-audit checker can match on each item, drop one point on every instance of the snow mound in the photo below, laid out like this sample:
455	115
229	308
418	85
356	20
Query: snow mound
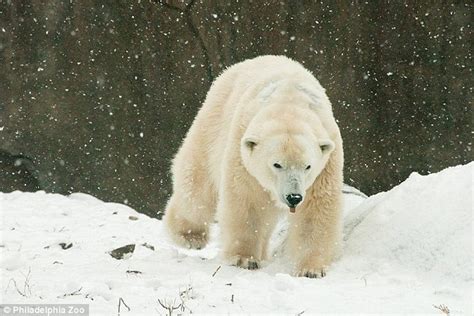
406	251
423	225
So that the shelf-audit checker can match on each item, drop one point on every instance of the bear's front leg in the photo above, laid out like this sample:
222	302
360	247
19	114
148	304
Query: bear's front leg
245	230
314	239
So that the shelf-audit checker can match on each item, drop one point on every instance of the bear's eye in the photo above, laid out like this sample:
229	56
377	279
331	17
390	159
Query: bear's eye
277	165
308	167
324	147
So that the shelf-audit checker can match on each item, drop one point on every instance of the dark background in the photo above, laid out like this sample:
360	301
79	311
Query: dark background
96	96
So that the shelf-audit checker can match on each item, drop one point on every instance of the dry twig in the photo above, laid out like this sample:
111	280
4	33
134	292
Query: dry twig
76	292
120	302
218	268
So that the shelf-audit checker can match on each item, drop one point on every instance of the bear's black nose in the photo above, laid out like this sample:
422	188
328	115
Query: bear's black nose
294	199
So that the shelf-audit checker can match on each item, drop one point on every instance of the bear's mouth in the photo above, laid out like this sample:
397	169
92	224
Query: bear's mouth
292	209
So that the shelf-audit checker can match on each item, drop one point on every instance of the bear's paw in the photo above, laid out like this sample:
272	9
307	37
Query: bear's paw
194	240
311	273
244	262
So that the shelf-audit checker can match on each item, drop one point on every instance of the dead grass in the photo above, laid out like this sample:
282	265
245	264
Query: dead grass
443	308
24	291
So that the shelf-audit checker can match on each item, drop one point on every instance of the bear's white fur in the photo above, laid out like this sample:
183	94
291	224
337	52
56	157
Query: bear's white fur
265	130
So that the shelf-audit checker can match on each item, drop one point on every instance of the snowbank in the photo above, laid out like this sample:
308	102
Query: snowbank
406	250
422	226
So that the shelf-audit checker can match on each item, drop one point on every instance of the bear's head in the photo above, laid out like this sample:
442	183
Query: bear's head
286	152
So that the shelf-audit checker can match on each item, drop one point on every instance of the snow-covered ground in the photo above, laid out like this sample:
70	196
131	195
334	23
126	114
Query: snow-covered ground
408	250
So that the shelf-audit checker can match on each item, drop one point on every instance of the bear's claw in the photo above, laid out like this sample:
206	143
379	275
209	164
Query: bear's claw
194	240
312	274
247	263
252	265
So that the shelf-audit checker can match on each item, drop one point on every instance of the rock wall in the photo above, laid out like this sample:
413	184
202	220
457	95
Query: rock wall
96	96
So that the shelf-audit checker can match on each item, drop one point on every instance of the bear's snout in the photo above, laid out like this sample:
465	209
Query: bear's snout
294	199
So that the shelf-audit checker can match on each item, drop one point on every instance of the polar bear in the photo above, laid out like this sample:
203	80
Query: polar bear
264	142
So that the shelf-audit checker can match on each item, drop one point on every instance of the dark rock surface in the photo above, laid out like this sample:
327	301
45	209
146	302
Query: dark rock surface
96	96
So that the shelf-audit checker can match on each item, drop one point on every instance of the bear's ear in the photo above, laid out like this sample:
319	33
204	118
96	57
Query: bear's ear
326	146
316	98
250	142
267	91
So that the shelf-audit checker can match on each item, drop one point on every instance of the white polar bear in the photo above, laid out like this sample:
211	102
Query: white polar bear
264	141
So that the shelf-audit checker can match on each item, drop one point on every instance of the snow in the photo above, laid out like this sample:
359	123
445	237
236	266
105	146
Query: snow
406	251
